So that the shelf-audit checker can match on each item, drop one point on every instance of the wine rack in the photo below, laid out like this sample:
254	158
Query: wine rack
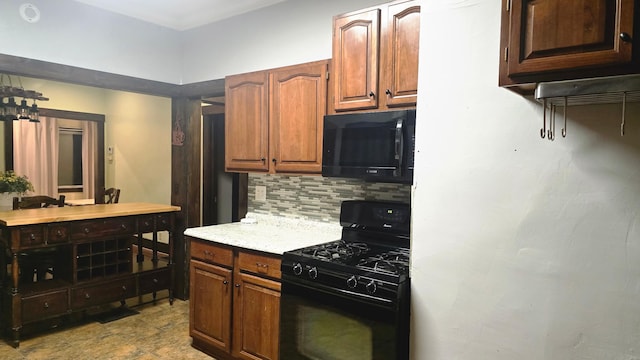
104	258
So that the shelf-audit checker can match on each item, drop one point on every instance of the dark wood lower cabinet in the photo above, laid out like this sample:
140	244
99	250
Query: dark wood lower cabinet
234	302
62	261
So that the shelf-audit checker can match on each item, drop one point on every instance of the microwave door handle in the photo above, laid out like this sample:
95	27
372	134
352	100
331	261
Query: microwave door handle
399	146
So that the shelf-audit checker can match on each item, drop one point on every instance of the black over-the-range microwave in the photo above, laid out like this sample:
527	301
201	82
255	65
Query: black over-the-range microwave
374	146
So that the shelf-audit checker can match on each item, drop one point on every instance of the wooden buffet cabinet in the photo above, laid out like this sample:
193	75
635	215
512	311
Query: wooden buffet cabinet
234	301
87	252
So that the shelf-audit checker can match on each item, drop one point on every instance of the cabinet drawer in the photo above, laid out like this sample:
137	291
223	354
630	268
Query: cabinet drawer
259	264
162	222
212	253
102	293
57	234
154	281
31	236
107	227
44	305
145	224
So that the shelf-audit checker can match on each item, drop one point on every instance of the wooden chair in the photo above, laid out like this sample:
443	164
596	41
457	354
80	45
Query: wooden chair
112	195
39	262
35	202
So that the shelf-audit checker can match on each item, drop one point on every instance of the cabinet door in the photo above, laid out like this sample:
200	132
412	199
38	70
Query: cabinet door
553	35
355	60
246	122
297	108
210	304
400	41
256	318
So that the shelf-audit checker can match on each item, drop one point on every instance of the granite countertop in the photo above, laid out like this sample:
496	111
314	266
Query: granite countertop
267	233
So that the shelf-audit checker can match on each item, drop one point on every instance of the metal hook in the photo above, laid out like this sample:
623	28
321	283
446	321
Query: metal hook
624	110
564	129
544	118
551	135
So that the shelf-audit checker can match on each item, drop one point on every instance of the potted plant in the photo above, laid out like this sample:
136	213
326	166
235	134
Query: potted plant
12	185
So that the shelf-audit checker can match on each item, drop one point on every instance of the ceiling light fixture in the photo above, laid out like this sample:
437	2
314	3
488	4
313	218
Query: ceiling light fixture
10	110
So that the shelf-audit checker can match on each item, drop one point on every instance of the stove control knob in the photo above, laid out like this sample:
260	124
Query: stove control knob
297	268
371	287
313	273
352	282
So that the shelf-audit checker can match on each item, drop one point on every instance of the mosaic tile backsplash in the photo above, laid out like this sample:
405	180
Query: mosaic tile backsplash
316	197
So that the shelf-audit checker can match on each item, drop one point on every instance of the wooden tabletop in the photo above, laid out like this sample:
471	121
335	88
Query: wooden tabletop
70	213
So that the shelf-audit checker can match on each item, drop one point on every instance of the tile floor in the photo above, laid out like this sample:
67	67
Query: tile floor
159	331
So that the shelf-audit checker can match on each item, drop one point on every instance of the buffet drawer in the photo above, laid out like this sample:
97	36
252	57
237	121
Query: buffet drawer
44	305
31	236
107	227
154	281
259	264
103	292
209	252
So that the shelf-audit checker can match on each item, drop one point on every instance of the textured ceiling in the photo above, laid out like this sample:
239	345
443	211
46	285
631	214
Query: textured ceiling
180	14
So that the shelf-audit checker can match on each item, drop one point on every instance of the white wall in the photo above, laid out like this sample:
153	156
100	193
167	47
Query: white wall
522	248
288	33
72	33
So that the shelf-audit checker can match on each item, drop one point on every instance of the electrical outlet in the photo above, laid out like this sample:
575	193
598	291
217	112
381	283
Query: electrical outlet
261	193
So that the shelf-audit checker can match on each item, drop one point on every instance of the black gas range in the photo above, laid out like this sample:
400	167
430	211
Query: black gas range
361	278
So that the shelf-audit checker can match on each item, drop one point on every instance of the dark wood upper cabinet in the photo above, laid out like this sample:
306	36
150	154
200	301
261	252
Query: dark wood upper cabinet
274	118
375	57
546	40
246	123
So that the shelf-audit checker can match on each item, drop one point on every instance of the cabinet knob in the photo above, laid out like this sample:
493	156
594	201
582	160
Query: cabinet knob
625	37
87	296
59	233
124	288
225	282
274	160
237	285
86	230
372	94
46	305
388	92
263	160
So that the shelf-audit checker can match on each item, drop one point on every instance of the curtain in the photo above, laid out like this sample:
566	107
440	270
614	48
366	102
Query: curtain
89	146
35	153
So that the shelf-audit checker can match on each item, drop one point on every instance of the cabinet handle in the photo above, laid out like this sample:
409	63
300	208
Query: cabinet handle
146	224
124	288
388	92
372	94
625	37
123	226
86	230
155	281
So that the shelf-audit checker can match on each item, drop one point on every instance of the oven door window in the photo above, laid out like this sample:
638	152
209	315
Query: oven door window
320	326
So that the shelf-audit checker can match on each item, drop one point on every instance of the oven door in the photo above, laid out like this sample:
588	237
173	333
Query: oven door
317	324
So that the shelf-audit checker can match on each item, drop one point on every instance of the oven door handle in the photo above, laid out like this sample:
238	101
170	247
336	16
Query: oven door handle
399	145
